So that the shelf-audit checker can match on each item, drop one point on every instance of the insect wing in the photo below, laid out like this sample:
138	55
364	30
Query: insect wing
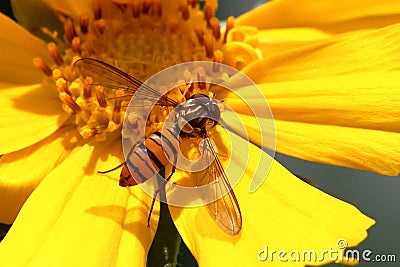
225	209
108	76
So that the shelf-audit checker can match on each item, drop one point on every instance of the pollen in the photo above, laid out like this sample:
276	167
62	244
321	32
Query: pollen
141	39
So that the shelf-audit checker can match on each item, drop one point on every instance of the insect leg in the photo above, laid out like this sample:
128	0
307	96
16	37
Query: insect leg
113	169
158	191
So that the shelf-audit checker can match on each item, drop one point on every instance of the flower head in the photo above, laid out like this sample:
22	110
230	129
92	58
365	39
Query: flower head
68	143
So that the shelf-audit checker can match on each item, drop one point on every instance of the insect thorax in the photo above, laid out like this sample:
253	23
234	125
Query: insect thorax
196	115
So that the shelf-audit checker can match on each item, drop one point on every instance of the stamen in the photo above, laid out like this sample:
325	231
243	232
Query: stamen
184	8
121	7
200	35
87	88
209	10
87	132
96	10
62	87
116	117
230	23
39	63
157	8
209	45
55	53
215	27
218	56
84	23
100	96
146	7
118	100
187	75
57	74
76	45
136	7
101	25
70	102
193	3
70	32
201	78
133	121
188	89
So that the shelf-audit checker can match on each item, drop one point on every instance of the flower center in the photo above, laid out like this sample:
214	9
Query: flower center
141	39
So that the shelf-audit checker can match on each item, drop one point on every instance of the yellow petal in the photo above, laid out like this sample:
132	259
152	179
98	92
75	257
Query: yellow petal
330	16
364	51
274	41
293	34
18	47
28	114
362	149
23	170
365	100
283	214
356	148
77	217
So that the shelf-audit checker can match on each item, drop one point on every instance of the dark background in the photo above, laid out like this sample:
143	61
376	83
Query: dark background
375	195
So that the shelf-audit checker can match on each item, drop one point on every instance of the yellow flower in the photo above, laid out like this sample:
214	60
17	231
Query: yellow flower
75	216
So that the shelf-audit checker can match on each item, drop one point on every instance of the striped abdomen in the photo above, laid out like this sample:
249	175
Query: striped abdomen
149	158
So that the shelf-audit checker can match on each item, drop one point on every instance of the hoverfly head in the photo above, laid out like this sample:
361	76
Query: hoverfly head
206	109
198	113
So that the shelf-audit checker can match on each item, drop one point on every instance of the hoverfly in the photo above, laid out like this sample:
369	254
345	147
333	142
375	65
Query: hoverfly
193	118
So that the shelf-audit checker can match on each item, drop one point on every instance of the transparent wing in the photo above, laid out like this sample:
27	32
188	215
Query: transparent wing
108	76
225	209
